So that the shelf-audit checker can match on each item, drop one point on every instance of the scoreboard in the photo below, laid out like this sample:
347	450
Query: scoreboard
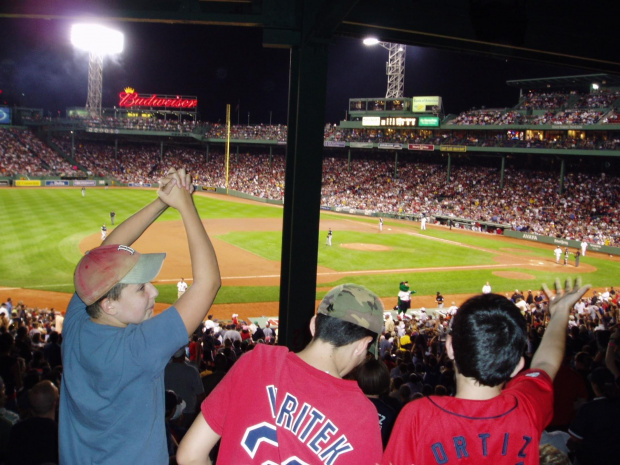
396	112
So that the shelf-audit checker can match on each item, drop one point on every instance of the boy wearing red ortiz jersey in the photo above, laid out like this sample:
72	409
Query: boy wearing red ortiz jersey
499	412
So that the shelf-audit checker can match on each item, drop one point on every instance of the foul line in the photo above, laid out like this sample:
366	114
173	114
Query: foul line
328	273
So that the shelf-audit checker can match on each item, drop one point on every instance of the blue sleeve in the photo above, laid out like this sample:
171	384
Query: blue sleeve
156	340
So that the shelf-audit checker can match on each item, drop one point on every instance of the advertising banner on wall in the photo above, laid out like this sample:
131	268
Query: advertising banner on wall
85	183
56	183
5	115
27	182
421	147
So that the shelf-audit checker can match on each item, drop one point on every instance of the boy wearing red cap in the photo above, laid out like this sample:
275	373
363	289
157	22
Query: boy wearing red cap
114	350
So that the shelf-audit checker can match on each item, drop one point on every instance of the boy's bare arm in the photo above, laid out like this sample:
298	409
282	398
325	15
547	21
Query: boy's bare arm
194	304
550	352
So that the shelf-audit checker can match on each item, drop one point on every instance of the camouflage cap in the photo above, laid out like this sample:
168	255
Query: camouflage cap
355	304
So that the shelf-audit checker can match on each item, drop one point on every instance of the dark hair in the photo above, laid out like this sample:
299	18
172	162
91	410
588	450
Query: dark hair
94	309
6	342
489	336
441	390
397	382
339	332
604	380
373	377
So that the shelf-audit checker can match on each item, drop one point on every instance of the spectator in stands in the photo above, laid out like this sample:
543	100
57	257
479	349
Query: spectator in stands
183	378
111	316
34	441
594	432
484	362
373	379
349	321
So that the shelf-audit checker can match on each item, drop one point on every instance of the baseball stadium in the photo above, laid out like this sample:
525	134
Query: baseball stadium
398	261
471	237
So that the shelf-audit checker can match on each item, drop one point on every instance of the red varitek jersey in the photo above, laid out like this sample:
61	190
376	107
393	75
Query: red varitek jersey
272	407
449	430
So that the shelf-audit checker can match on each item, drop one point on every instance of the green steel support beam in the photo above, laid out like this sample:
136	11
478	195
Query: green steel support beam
302	197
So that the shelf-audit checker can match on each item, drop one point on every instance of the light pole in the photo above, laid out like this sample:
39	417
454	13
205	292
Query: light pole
98	41
394	68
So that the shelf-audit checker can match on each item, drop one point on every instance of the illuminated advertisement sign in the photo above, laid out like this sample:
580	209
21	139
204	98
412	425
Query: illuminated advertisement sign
453	148
391	121
429	121
129	98
371	121
400	121
425	147
425	103
5	115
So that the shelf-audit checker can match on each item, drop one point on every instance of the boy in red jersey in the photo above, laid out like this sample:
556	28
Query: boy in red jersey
498	413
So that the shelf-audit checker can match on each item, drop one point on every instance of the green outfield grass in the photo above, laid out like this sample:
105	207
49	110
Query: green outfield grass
41	230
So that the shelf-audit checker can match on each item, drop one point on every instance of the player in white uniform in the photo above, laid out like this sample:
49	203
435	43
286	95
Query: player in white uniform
104	232
558	253
380	224
329	237
584	246
423	223
181	288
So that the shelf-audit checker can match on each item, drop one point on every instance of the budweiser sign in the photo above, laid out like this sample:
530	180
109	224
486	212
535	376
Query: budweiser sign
130	98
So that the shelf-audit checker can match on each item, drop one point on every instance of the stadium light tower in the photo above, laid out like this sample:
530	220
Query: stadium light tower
98	41
394	68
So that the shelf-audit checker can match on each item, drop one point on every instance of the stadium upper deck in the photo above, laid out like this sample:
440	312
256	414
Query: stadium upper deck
576	116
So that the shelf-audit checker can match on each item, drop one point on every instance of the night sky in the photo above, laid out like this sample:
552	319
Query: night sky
40	69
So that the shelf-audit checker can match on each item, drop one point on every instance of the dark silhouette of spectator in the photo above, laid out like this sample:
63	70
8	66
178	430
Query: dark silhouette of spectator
34	441
373	379
10	370
210	380
595	430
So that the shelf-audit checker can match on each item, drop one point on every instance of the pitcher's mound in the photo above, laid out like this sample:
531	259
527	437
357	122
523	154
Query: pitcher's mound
513	275
366	247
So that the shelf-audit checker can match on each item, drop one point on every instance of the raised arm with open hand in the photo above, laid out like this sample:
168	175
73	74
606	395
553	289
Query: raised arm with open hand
550	352
194	304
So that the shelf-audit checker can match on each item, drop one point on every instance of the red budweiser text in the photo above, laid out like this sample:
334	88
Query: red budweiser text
136	100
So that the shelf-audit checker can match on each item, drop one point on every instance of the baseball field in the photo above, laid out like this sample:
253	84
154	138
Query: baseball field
46	231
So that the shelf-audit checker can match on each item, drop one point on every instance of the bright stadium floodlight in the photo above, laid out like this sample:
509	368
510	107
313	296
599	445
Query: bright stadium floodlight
98	41
394	68
370	41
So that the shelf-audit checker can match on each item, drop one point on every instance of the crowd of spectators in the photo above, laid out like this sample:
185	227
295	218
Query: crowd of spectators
500	118
211	131
143	124
412	347
528	201
611	118
23	154
587	109
602	99
543	100
276	132
480	139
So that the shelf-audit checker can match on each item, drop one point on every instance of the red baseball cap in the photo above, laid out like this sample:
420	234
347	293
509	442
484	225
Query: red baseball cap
104	267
